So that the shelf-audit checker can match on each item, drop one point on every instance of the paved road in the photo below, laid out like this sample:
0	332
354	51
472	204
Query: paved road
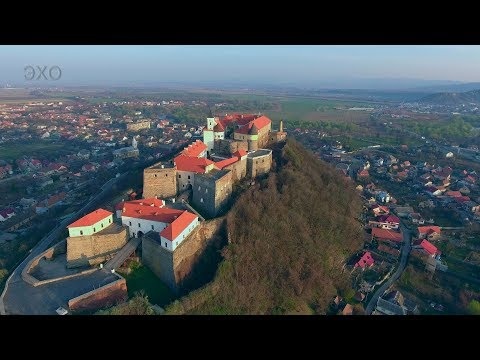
8	300
403	263
123	254
22	298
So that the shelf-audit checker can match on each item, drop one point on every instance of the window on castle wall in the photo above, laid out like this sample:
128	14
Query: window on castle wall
166	175
138	224
179	176
188	176
94	229
81	232
109	221
130	223
165	244
153	228
155	175
101	225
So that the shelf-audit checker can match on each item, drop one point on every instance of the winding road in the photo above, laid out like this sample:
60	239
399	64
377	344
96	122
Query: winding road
403	263
15	298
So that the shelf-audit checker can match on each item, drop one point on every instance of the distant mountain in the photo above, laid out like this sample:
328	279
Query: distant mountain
459	87
452	98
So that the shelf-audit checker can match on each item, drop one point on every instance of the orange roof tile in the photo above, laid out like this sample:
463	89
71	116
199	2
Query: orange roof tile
192	164
240	153
90	219
138	210
426	229
178	225
259	123
194	149
386	234
223	163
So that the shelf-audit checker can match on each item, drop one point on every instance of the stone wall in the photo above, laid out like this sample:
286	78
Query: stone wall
104	296
173	267
159	261
159	182
210	195
264	136
223	190
203	198
258	166
238	169
94	249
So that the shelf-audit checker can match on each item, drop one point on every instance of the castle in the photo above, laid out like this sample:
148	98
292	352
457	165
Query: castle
230	151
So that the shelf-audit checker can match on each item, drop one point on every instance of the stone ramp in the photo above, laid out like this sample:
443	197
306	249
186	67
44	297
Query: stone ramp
123	254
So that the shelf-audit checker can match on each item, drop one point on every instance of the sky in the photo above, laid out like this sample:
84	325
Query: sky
295	65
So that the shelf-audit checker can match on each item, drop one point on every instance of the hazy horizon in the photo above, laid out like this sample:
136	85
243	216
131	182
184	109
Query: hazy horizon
316	66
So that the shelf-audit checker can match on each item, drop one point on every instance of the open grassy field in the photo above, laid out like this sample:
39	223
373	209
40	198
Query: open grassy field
37	149
143	279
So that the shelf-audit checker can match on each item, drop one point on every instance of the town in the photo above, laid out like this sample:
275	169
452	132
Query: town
164	219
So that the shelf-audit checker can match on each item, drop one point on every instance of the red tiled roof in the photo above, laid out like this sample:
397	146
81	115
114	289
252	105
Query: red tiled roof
387	234
90	219
178	225
240	153
223	163
426	229
461	199
152	202
365	261
52	200
135	209
389	219
259	123
453	193
219	127
192	164
194	149
428	247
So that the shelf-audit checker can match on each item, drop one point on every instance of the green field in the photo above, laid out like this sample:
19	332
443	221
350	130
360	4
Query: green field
143	279
37	149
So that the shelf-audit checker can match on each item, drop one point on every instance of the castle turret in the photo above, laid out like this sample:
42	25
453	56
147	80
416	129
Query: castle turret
281	126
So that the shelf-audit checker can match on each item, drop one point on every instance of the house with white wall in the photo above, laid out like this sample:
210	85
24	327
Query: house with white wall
145	215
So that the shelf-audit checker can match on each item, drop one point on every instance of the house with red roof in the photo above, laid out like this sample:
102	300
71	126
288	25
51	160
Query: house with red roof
425	247
387	236
363	174
53	200
387	221
146	215
196	149
431	232
91	223
380	210
188	166
6	214
365	261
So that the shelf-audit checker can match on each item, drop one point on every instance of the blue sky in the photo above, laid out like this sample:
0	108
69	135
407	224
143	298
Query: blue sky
294	65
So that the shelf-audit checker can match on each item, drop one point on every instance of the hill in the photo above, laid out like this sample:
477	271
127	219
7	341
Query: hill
289	236
452	98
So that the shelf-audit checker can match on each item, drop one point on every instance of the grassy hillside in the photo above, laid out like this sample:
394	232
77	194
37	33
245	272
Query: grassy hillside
289	236
453	98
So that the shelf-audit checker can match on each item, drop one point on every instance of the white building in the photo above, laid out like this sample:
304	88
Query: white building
91	223
145	215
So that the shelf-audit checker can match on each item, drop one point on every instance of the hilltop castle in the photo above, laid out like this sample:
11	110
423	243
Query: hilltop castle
231	150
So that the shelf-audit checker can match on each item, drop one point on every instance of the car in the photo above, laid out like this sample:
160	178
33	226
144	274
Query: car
61	311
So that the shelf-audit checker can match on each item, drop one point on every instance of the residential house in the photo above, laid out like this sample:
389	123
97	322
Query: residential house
387	236
416	218
425	247
383	197
394	303
6	213
54	200
430	232
362	174
365	261
385	222
380	210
